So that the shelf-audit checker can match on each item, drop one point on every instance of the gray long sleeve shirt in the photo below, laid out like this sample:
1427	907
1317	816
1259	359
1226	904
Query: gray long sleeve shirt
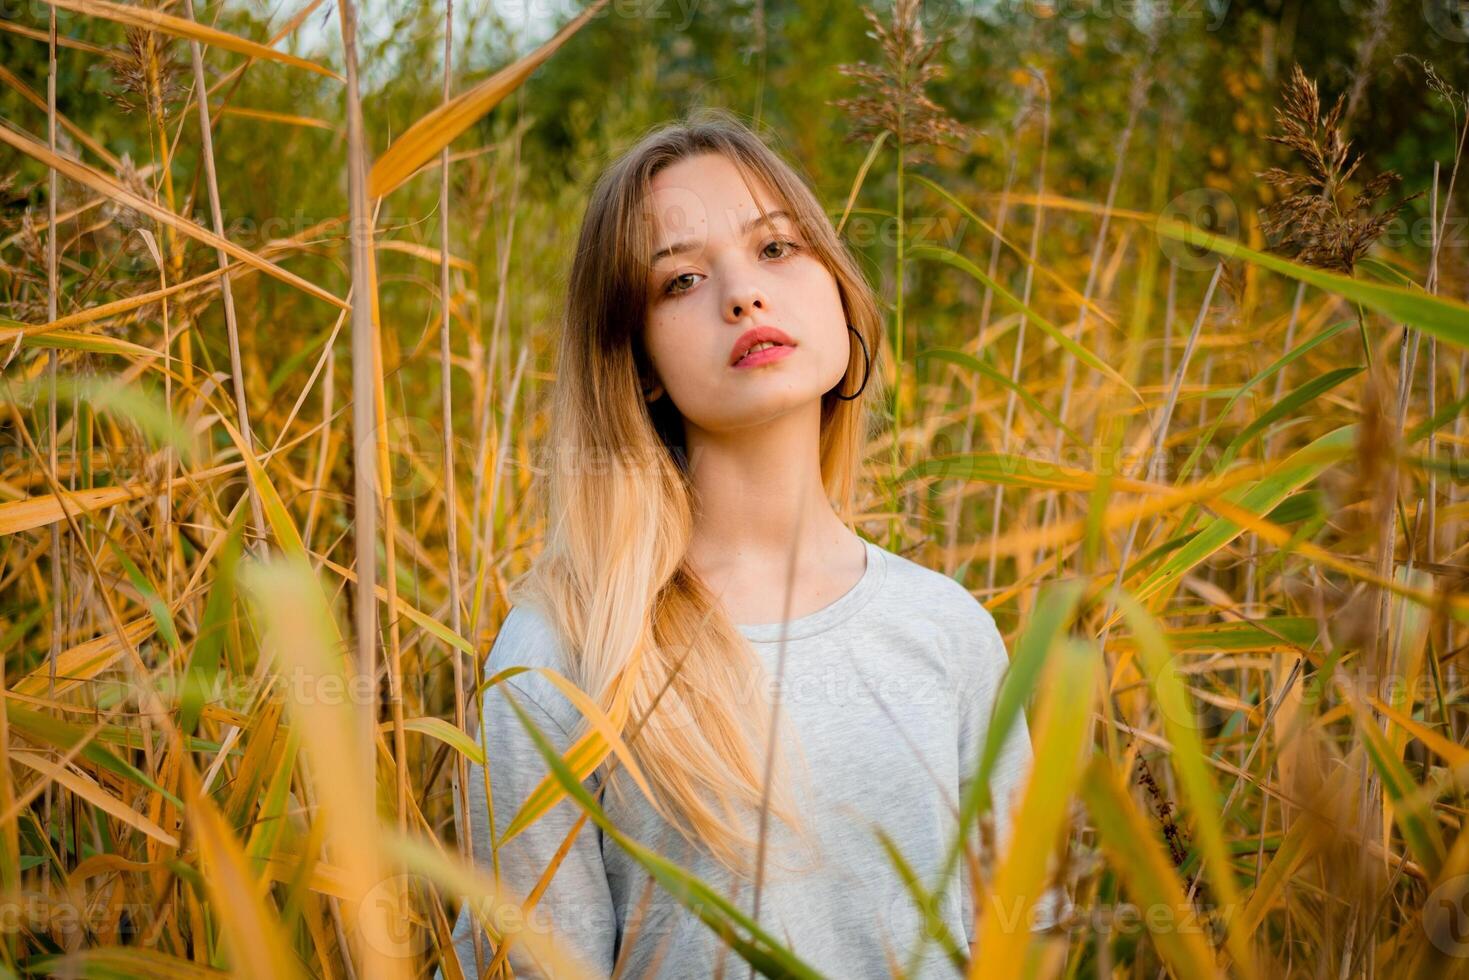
890	689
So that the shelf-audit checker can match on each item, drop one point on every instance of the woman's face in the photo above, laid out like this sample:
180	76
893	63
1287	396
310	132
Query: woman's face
728	272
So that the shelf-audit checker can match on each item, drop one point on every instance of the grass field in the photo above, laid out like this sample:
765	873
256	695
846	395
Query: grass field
1197	440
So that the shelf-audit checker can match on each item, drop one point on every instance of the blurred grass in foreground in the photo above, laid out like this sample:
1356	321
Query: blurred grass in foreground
1209	477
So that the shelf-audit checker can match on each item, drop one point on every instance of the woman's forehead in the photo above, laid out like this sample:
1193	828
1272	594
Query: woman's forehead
706	195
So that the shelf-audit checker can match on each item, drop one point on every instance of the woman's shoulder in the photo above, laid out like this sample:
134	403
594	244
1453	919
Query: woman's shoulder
924	591
966	633
528	638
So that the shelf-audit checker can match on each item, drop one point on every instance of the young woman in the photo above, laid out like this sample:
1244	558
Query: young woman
708	419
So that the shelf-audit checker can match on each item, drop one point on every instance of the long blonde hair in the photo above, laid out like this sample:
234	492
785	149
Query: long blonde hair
612	576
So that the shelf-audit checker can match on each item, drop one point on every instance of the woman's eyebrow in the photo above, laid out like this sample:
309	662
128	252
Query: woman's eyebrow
678	248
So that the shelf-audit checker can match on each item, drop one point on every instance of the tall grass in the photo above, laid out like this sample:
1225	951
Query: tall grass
1209	487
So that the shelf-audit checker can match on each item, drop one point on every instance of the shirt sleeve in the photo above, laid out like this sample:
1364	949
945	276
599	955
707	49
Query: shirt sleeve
985	661
576	907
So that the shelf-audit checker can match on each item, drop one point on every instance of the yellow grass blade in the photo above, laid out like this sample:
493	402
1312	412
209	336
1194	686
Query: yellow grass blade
444	731
404	608
1451	752
436	130
325	879
423	252
1062	733
85	660
155	20
93	792
1059	202
489	903
1457	603
123	962
34	512
250	930
1181	725
62	41
589	751
39	101
1139	858
71	340
107	863
44	509
10	329
300	631
102	184
265	115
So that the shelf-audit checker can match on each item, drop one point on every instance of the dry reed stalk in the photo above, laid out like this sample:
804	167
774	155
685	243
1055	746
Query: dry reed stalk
1154	456
364	460
52	307
390	579
1377	28
1316	225
459	774
1018	357
966	442
1136	98
486	545
481	557
1457	101
370	459
367	435
216	214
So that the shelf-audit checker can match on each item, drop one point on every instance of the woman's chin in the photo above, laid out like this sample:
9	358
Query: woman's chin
767	409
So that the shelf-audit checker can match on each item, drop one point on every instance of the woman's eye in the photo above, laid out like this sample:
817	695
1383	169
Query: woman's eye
672	287
787	247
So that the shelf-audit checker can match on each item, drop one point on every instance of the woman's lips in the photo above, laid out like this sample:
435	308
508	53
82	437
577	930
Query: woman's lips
766	356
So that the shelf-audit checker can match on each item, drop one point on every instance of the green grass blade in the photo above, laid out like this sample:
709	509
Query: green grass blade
1285	408
1063	730
738	931
214	629
1259	498
927	905
1181	726
1446	319
1411	810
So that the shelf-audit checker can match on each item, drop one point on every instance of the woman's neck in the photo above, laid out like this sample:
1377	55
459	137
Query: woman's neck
759	497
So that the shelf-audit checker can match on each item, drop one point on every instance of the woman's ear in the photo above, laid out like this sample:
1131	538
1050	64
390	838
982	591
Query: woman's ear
652	391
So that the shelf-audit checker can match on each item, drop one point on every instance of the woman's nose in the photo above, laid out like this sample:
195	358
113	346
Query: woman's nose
745	301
